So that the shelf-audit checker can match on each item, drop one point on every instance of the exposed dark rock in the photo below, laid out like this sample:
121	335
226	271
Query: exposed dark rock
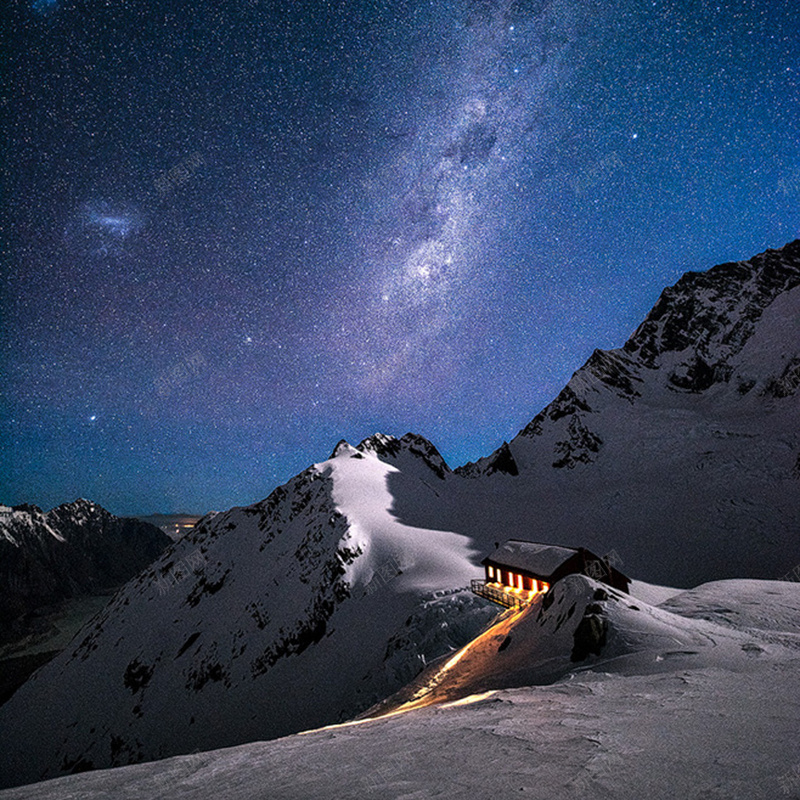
503	461
696	377
565	404
534	427
205	587
341	446
28	508
204	672
788	383
137	675
589	637
616	370
308	632
745	386
381	445
580	448
188	643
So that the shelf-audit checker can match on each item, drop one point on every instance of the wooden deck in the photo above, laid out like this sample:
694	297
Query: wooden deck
502	598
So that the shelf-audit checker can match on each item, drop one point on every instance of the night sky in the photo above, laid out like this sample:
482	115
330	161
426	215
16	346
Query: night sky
235	233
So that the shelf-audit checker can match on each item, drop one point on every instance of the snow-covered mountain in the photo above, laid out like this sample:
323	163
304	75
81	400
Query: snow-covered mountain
678	452
681	450
730	335
693	695
295	612
75	549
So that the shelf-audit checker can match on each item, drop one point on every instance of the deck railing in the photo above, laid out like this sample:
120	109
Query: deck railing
497	595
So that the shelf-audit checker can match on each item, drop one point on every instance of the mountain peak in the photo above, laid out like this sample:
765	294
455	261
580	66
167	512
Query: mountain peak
79	511
28	508
410	447
380	444
714	312
728	334
343	448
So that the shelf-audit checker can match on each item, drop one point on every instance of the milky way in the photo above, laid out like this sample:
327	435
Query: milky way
437	202
235	236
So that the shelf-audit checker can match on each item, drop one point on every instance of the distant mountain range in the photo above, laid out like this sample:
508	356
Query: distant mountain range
56	570
73	550
680	452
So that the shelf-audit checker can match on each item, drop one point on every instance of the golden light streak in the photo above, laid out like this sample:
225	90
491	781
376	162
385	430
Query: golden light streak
419	698
425	697
353	722
473	698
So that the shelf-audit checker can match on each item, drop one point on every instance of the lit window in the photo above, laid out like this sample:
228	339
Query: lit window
535	585
490	571
519	581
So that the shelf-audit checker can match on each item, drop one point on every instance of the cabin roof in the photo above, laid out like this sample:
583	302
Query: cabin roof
540	559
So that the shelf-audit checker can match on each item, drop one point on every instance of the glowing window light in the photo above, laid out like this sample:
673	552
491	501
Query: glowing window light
519	581
490	572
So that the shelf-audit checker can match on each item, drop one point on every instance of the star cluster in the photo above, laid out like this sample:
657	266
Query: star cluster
235	235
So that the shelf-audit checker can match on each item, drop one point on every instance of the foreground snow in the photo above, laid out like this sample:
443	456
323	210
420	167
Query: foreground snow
696	698
700	734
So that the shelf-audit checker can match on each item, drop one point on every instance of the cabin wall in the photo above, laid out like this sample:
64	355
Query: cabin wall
582	562
522	579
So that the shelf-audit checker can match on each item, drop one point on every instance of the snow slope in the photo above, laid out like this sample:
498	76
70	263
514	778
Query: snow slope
722	624
695	699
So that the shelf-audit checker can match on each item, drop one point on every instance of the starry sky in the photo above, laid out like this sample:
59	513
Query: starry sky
234	233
